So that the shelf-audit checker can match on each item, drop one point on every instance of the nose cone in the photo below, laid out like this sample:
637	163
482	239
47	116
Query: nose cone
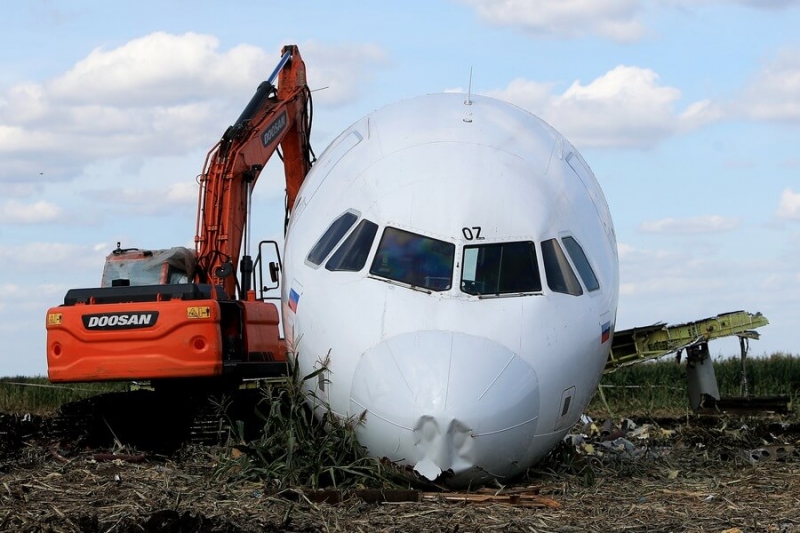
447	402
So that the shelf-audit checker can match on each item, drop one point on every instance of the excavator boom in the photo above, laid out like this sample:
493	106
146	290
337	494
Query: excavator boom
274	117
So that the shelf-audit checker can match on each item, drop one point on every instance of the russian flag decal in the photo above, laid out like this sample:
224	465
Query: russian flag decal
605	332
294	298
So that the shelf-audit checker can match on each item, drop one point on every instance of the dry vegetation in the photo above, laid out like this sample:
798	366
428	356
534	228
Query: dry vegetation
667	471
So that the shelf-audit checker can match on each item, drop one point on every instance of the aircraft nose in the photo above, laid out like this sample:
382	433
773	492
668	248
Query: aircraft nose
446	401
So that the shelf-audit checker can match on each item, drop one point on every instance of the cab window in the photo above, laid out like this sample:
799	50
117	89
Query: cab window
331	237
414	259
560	277
177	276
352	254
500	268
581	263
137	271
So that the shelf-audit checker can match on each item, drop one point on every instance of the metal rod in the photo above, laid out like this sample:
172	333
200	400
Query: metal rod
743	388
282	63
247	217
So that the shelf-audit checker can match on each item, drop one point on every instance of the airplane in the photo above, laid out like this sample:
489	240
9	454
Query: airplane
451	266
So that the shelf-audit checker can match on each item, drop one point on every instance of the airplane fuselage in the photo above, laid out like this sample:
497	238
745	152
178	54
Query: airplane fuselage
453	265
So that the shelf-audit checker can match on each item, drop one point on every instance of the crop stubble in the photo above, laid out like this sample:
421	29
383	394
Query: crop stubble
687	474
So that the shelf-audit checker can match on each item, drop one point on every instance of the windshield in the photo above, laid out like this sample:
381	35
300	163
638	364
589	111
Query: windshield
414	259
501	268
147	267
137	271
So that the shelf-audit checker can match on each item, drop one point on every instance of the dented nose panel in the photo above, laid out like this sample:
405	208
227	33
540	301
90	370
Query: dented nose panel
447	402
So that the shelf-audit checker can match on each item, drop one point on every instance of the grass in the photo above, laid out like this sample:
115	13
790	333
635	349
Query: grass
295	449
36	395
298	449
658	388
647	387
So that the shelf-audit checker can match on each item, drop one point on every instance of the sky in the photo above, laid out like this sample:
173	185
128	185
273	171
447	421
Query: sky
687	111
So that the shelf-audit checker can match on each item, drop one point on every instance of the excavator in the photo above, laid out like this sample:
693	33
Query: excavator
177	318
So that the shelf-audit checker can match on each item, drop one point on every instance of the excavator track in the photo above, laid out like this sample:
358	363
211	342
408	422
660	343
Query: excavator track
156	421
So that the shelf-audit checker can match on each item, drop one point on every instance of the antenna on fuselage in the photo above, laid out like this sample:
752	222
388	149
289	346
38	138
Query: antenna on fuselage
468	101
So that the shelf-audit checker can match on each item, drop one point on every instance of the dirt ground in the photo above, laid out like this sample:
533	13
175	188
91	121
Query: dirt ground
682	474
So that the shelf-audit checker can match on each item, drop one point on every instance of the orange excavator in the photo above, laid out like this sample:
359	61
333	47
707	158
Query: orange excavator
178	315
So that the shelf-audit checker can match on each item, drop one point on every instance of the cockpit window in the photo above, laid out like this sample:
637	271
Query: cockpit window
560	277
581	263
500	268
414	259
352	254
331	237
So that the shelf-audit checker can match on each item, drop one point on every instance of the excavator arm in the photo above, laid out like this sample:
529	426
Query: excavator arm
274	117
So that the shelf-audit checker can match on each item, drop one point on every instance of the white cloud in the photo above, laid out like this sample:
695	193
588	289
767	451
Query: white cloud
160	69
756	4
765	4
157	95
693	282
625	107
18	189
617	20
182	193
51	258
691	226
532	95
664	273
789	206
613	19
31	297
15	212
343	68
145	201
774	91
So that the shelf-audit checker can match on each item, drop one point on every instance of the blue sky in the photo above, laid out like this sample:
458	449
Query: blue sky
688	111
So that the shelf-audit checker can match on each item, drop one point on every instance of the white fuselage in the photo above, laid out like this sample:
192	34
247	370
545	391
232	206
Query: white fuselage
451	338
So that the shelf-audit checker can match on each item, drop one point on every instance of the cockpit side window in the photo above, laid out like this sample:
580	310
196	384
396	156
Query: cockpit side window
560	277
414	259
580	261
500	268
331	237
352	254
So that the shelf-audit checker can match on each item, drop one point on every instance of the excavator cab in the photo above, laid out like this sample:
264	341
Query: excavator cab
134	267
148	320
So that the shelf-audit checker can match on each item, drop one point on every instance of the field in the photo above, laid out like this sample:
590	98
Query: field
641	461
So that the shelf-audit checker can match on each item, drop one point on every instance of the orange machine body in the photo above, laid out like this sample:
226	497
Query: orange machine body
177	334
170	340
